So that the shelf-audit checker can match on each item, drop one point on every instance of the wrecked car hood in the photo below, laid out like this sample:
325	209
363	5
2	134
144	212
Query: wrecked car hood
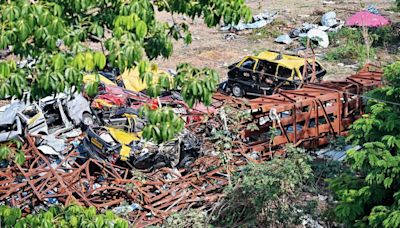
122	136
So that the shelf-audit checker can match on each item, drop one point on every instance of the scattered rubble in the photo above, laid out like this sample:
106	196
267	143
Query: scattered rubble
319	36
259	21
230	36
372	9
315	32
284	39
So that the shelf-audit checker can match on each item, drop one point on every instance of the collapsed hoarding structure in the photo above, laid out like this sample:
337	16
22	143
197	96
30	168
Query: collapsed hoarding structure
309	116
306	117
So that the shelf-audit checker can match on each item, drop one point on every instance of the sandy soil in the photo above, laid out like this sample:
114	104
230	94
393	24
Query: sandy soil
210	49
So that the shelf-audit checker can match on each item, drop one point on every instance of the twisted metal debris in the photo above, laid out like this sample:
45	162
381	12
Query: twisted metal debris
304	117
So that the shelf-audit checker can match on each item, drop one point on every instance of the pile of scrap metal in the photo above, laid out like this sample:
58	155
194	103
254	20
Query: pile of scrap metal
307	117
109	166
146	198
110	123
50	116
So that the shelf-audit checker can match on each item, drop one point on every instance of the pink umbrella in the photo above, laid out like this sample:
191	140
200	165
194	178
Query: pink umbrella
367	19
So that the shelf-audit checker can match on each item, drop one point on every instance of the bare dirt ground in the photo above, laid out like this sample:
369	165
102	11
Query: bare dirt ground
210	49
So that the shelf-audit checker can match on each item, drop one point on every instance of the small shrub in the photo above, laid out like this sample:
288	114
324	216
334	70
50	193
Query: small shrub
187	219
326	169
12	151
383	35
350	52
268	194
338	143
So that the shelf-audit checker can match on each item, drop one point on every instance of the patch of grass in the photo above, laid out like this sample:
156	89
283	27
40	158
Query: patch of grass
272	30
349	35
350	53
189	218
350	45
268	31
303	42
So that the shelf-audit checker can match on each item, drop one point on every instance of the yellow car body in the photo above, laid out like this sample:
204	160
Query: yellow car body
293	63
125	136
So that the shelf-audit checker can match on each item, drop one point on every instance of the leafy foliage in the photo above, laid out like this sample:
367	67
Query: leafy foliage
196	84
163	124
268	193
225	139
59	36
12	150
71	216
370	196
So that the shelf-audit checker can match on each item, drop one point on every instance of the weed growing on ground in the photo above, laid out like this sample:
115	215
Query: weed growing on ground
398	5
264	33
272	30
350	45
187	219
350	52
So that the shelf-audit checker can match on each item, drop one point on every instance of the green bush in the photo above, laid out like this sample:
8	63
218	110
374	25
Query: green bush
71	216
370	196
268	194
384	35
349	35
350	46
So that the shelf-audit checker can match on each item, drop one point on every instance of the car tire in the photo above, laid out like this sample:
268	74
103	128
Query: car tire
87	119
237	91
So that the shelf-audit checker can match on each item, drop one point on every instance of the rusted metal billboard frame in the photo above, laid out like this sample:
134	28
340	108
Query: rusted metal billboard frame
310	116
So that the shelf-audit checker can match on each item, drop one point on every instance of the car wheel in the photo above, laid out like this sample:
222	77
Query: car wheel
87	119
237	91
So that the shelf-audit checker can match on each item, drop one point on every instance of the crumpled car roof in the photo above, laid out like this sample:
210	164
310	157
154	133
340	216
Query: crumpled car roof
9	115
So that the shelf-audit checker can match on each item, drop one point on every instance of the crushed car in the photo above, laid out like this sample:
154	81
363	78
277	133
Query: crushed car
107	144
118	146
50	115
63	112
10	122
262	74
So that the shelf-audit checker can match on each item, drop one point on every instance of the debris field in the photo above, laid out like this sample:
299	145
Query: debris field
90	151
